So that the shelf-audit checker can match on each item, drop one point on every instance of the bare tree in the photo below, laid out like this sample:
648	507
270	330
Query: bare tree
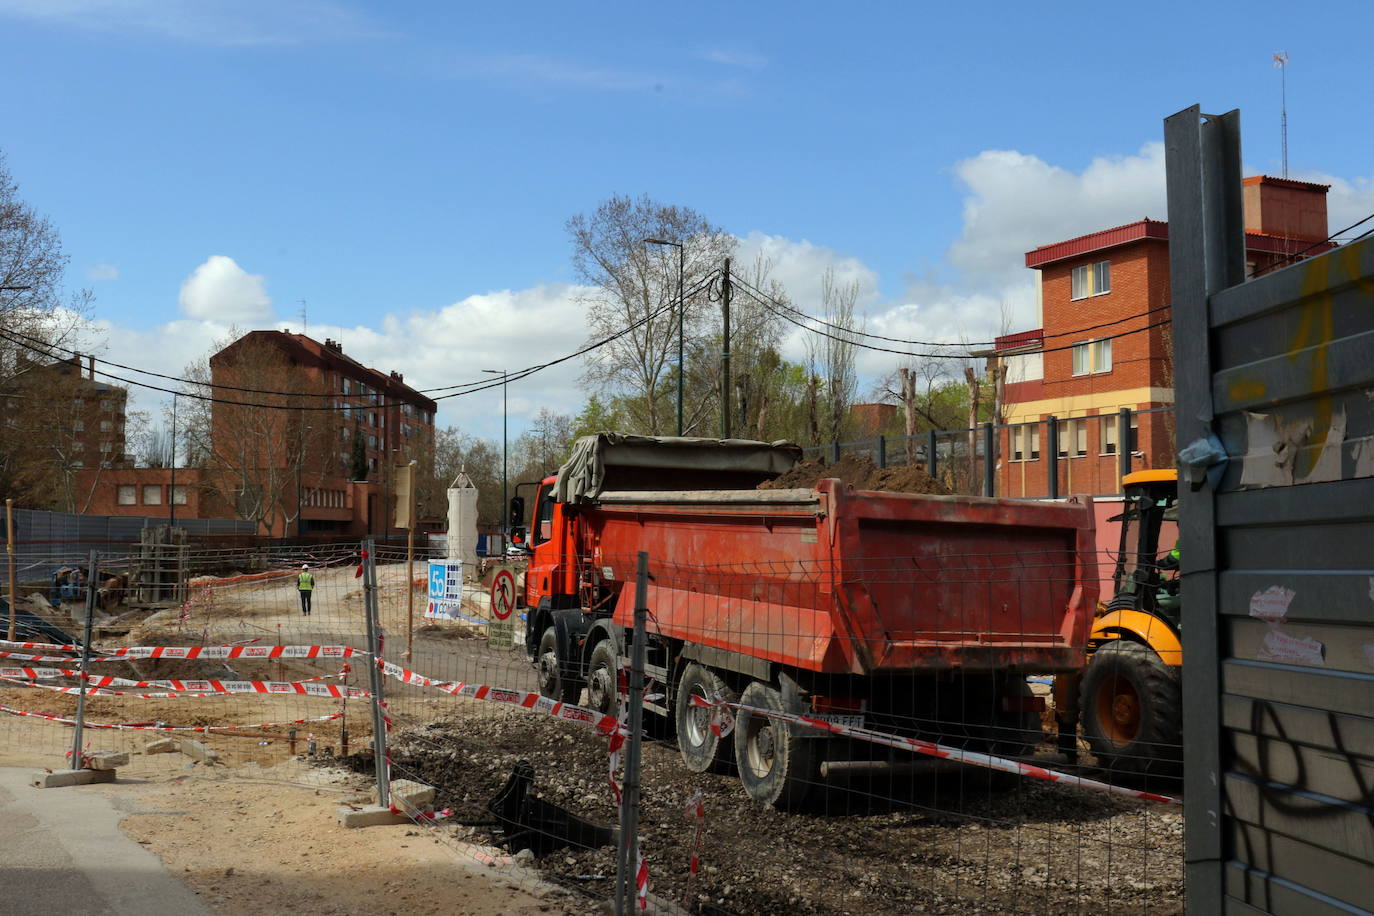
38	409
637	287
830	360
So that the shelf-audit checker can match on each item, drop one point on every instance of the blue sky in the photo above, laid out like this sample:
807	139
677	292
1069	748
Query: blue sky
407	168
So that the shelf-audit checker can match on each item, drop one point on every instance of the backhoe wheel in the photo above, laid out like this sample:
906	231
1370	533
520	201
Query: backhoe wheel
554	679
701	750
776	766
603	679
1132	709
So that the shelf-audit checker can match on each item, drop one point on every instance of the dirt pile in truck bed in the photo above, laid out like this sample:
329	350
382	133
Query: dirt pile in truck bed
861	474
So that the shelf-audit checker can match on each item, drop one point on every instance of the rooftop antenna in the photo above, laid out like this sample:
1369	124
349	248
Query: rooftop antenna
1281	62
305	325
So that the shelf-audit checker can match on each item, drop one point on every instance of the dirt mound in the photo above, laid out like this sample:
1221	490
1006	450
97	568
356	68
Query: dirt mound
861	474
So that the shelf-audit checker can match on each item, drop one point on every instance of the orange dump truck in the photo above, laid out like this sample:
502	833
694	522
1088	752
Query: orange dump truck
916	615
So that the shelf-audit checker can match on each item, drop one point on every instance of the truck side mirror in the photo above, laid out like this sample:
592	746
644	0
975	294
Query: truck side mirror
517	512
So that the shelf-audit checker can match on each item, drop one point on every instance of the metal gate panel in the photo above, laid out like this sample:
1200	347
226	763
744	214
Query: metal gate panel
1275	391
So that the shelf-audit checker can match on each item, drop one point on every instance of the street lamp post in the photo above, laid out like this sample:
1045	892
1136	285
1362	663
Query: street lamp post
681	307
505	520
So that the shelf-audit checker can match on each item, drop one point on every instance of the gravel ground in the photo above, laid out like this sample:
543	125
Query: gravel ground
875	839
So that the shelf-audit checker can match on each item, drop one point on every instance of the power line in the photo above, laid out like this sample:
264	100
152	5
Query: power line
1298	254
866	346
48	350
935	343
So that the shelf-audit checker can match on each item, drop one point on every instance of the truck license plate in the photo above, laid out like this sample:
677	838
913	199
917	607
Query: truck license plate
842	720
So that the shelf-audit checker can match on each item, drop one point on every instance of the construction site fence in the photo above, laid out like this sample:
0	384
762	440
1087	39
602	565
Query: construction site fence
1034	460
945	786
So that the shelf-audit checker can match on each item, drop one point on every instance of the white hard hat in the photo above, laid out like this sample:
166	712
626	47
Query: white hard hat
305	566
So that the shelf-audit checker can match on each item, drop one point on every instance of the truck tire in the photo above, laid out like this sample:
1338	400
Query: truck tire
1131	705
701	750
603	679
776	765
554	680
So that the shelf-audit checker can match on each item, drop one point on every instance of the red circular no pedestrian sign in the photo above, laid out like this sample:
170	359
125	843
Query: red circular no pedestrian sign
503	595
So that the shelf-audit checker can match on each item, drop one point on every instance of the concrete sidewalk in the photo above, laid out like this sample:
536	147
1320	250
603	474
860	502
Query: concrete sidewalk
61	851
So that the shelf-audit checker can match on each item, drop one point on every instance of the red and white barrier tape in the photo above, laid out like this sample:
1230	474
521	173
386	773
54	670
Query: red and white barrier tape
199	652
198	689
105	680
959	755
642	882
695	809
206	729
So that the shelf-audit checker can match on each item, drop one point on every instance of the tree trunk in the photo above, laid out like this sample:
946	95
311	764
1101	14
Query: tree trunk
973	403
909	411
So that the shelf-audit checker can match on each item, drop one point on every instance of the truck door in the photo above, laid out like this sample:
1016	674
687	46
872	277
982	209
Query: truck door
549	544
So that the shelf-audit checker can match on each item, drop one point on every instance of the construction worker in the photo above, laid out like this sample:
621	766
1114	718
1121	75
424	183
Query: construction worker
305	584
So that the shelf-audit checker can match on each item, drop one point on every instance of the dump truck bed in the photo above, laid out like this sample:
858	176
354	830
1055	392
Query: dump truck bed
841	581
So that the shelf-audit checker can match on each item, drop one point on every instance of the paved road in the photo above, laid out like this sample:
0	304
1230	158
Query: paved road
62	852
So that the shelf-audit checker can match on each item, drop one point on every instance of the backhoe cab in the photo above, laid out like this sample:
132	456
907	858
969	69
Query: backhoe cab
1130	696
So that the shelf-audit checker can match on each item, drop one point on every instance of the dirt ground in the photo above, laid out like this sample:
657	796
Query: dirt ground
880	839
861	474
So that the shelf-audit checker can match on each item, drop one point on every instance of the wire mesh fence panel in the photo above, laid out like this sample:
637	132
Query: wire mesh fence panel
873	706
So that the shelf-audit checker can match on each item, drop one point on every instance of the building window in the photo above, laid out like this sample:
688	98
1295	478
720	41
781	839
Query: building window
1073	438
79	425
1018	443
126	494
1102	355
372	465
1109	439
1035	442
104	405
1025	442
1091	280
106	448
1092	357
79	446
178	495
1134	444
78	463
1082	360
345	386
372	442
106	426
152	494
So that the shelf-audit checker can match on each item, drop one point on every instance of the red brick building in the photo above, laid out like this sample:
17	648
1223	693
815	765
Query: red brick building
316	456
1104	342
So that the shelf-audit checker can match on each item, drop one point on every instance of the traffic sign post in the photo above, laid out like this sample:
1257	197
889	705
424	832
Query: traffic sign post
501	630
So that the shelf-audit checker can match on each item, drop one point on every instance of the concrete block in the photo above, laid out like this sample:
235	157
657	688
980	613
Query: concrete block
197	751
370	816
104	760
71	778
162	746
416	794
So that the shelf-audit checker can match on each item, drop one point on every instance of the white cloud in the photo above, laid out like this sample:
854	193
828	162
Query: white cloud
223	23
220	290
103	272
1016	202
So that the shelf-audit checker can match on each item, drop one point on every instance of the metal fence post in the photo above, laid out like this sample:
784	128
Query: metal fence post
628	861
932	460
1052	452
1123	442
989	466
381	758
85	663
835	452
882	451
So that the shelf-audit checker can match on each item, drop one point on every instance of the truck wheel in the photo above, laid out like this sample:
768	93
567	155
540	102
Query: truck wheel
554	680
776	765
603	679
1132	706
700	749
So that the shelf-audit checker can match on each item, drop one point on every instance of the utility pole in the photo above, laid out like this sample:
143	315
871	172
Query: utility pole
172	487
725	352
